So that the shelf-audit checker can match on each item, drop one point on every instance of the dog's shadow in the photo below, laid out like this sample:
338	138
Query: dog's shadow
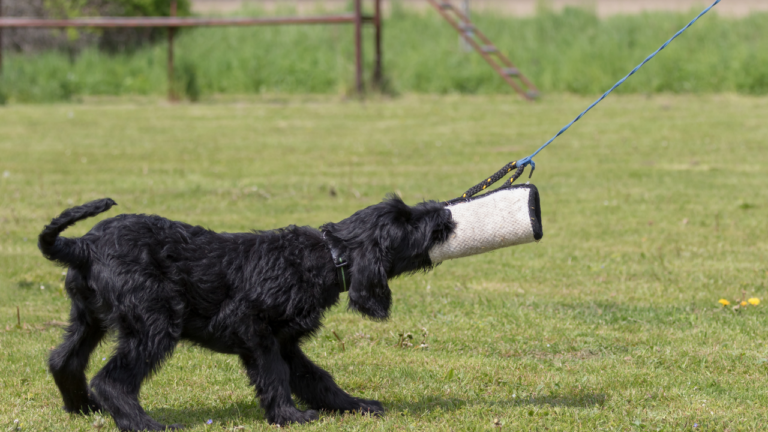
235	412
572	400
249	411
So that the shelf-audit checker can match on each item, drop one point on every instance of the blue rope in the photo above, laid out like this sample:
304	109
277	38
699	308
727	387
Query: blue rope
529	160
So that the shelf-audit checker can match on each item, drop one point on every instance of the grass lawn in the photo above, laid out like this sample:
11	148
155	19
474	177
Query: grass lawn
654	208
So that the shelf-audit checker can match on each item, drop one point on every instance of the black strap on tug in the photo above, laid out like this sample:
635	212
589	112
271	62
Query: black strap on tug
485	184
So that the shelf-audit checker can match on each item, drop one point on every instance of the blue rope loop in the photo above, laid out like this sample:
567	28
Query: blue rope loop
529	160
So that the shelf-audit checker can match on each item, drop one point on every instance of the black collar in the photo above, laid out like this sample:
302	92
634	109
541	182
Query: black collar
340	261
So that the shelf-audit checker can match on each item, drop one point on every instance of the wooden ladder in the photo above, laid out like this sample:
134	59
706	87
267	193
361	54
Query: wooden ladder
483	46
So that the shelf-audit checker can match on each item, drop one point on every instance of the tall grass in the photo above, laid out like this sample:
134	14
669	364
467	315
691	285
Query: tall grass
568	51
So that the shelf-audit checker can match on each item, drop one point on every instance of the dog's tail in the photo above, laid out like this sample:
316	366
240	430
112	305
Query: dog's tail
66	250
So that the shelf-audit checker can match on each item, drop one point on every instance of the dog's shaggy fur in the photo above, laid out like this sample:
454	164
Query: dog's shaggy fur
257	295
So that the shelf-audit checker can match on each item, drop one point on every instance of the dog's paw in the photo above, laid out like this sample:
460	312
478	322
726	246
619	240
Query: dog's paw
371	407
86	408
310	416
294	415
93	405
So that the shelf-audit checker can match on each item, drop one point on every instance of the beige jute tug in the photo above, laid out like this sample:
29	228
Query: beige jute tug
506	217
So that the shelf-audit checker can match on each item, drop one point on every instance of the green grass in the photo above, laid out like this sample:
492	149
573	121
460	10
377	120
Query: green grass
572	51
653	209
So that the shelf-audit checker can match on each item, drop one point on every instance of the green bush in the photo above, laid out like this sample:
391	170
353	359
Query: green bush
130	39
146	8
116	39
150	8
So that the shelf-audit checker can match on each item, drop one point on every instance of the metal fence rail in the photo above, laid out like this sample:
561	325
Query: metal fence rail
113	22
173	22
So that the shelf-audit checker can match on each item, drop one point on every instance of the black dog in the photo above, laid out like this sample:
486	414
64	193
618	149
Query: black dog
257	295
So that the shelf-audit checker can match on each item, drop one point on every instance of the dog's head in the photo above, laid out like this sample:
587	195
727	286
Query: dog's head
384	241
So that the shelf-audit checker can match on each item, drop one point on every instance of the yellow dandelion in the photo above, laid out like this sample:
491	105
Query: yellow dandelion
743	303
724	302
754	301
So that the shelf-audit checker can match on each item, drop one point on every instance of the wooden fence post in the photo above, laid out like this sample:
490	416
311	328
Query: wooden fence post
171	30
359	47
377	72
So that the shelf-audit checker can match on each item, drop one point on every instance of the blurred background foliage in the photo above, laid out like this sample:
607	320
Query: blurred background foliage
572	51
73	41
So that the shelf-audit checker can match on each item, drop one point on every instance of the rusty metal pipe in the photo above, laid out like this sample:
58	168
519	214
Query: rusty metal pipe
499	70
377	72
359	47
357	18
175	22
171	87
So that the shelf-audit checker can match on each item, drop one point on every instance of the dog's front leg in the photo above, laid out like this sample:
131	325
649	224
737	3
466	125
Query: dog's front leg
316	387
269	373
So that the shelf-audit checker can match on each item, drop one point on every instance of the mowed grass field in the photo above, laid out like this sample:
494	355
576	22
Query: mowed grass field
654	208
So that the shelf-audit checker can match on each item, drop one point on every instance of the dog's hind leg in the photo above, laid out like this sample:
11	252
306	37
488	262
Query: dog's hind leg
145	340
316	387
269	373
69	360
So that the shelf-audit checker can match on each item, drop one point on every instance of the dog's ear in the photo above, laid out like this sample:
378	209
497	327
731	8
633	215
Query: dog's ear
369	291
384	241
387	230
